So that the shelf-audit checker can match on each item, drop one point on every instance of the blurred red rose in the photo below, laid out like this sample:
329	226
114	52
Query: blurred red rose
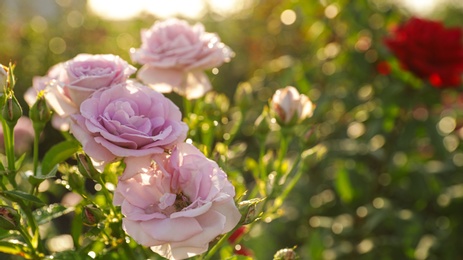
239	249
430	51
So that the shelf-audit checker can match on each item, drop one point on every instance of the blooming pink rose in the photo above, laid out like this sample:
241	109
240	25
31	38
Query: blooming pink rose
69	83
290	106
175	55
130	121
179	205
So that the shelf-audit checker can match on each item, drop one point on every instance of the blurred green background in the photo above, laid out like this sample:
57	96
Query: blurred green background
389	182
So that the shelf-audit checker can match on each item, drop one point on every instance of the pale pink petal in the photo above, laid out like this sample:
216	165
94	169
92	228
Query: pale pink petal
139	233
162	80
61	104
134	165
197	84
177	229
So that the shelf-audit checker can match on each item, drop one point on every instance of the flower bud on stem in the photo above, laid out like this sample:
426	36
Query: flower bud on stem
40	114
11	112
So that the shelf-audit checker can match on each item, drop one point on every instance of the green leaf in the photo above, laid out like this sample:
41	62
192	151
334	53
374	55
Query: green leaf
76	227
20	161
15	248
36	180
21	196
343	186
57	154
68	254
47	213
316	246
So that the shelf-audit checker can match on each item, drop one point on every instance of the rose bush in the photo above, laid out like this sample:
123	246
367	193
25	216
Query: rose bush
429	50
130	121
175	54
179	205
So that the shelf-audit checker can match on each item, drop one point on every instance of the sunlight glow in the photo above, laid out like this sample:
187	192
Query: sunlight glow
123	9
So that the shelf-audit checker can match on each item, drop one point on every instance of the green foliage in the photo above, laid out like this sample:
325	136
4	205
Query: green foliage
374	174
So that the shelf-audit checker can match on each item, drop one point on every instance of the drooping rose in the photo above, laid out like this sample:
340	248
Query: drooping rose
69	83
174	56
130	121
23	136
430	51
289	106
179	205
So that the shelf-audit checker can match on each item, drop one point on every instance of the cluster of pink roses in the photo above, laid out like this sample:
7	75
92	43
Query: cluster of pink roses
174	199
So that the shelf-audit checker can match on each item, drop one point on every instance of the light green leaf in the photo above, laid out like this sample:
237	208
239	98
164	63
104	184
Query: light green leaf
50	212
343	186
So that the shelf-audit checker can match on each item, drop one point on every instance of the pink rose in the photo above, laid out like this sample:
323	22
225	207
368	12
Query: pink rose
130	121
290	107
175	55
68	84
179	205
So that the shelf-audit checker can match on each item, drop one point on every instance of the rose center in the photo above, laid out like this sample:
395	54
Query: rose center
171	203
181	201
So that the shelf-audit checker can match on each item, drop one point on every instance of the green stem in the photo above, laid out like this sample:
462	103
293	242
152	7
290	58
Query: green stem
260	183
217	246
9	150
279	200
36	150
107	195
27	239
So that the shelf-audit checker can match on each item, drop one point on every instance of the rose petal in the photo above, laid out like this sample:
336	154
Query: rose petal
162	80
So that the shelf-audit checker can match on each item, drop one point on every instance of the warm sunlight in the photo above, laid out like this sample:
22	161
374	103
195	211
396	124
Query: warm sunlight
122	9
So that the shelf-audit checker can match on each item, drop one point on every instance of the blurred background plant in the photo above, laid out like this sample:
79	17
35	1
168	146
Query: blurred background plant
382	157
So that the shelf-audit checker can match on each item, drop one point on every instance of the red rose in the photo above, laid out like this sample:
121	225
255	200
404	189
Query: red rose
430	51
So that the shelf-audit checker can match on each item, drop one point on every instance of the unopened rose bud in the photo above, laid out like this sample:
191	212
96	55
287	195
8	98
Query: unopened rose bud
85	166
40	112
248	210
12	110
285	254
243	95
9	218
290	107
91	215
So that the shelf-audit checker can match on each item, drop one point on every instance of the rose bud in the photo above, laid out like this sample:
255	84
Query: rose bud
3	75
91	215
290	107
12	111
285	254
9	218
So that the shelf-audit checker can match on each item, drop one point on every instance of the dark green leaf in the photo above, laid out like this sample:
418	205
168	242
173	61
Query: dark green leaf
21	197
